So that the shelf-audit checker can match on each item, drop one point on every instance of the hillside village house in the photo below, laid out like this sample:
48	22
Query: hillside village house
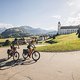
67	29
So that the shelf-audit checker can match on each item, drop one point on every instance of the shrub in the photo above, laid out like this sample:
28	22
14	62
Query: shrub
54	37
78	35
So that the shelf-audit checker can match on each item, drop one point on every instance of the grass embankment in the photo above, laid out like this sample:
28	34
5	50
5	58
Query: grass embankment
69	42
3	40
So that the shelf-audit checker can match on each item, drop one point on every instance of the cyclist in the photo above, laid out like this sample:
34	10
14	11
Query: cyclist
13	48
16	41
30	47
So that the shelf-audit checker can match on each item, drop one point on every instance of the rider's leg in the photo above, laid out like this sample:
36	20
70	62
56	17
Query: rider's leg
30	52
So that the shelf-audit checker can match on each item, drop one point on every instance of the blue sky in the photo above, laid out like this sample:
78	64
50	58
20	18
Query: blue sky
39	13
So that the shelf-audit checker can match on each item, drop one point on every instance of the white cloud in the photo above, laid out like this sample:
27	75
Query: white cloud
73	20
74	11
57	16
6	25
74	6
71	2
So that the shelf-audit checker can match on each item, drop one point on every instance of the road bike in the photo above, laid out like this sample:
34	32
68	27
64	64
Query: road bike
35	54
13	53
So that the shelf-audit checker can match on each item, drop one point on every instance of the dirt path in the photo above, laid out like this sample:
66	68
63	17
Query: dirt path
51	66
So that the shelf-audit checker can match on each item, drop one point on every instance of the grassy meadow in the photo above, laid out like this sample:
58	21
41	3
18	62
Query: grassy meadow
69	42
3	40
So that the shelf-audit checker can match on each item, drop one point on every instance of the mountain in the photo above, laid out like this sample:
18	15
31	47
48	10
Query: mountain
23	31
33	31
2	29
14	32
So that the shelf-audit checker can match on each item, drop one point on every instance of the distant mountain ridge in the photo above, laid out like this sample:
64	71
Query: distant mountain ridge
23	31
31	30
2	29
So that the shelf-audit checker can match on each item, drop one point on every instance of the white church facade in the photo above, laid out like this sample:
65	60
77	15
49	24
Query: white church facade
67	29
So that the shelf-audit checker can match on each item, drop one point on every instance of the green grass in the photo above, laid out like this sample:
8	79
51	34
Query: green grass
3	40
10	39
69	42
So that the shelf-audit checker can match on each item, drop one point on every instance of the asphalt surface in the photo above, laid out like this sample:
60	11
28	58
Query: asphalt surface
50	66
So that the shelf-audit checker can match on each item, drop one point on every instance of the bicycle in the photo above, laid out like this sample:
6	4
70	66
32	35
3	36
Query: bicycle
35	54
13	53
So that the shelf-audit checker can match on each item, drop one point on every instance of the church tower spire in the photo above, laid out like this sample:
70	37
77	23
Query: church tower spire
59	26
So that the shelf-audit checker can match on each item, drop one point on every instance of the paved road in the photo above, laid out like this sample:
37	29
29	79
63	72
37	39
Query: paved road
51	66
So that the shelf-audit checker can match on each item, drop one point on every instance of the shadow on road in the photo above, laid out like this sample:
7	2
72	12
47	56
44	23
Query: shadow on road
2	60
5	64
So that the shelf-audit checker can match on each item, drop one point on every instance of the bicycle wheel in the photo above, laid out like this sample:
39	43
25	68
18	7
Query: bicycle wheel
35	55
16	56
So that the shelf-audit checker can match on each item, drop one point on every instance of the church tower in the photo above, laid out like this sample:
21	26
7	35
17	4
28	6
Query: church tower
59	26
